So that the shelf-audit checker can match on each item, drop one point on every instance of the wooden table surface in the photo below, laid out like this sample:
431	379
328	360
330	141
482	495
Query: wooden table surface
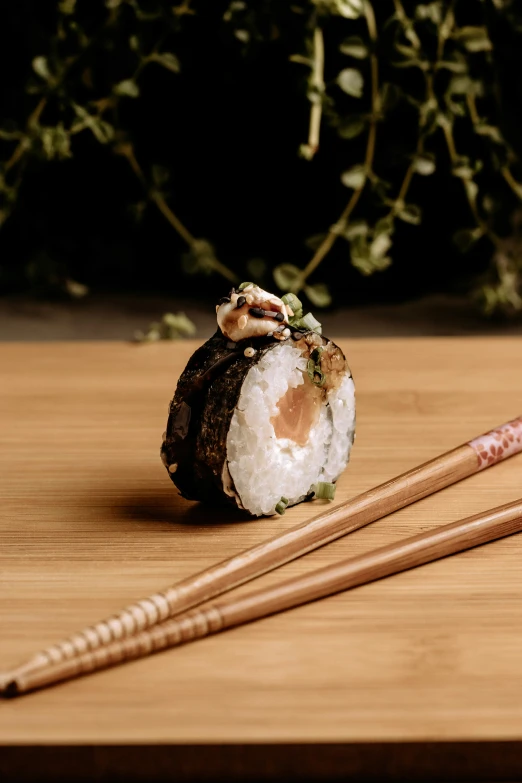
422	665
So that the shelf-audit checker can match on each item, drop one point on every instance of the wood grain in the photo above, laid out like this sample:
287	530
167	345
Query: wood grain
406	553
90	522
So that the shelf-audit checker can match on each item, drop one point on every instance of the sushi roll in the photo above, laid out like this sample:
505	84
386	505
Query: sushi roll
263	416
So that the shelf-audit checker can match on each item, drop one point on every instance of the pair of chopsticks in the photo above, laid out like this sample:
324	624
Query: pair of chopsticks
155	623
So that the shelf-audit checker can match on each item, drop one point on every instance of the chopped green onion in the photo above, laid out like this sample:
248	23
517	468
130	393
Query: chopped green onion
285	501
310	368
325	490
293	301
281	506
309	322
244	285
316	353
319	377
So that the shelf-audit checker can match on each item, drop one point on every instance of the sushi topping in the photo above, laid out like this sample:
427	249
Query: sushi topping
249	352
307	322
250	313
282	506
324	490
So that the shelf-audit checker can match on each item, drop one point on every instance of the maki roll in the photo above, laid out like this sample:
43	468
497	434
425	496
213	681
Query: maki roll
263	415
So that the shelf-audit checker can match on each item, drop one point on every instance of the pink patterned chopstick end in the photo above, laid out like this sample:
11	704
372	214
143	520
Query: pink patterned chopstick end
498	444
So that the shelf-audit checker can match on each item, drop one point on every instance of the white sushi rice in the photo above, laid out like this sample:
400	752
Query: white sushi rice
265	468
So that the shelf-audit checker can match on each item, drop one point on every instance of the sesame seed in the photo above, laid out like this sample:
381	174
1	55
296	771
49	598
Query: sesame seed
242	322
173	468
241	301
249	352
286	333
249	299
279	317
164	436
257	312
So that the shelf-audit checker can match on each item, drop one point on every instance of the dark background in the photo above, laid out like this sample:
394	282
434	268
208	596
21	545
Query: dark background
227	128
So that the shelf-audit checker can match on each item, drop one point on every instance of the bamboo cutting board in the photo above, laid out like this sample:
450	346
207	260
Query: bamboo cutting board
89	521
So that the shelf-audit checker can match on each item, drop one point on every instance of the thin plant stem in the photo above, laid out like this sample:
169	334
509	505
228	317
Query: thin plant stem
318	85
330	239
127	151
515	186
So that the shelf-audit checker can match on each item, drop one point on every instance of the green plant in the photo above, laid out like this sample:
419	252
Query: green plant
428	66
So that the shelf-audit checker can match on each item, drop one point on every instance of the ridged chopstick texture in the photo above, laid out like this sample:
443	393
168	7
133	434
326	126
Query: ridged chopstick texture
391	559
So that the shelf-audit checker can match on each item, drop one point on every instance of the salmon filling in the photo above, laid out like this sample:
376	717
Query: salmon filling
298	412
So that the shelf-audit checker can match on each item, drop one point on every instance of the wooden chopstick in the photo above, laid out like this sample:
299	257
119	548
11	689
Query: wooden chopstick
365	508
391	559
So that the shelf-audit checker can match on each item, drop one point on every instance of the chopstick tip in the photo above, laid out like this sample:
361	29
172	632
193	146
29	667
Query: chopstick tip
8	688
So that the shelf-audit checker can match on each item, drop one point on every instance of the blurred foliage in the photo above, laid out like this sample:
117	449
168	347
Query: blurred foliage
409	91
172	326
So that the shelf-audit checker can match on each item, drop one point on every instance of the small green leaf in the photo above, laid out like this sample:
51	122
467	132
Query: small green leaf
463	172
41	68
490	131
56	142
134	43
242	35
475	39
384	226
356	228
127	87
166	59
306	151
380	246
465	238
351	81
460	85
424	164
455	66
351	127
318	294
287	277
471	189
350	9
431	11
354	47
410	213
354	177
299	58
178	324
76	290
